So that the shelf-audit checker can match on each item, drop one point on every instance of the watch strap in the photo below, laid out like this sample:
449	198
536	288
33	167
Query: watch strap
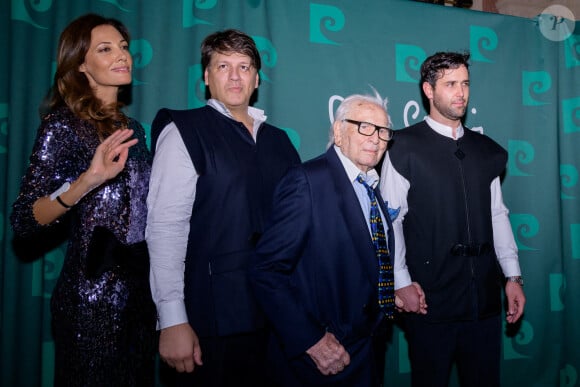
517	279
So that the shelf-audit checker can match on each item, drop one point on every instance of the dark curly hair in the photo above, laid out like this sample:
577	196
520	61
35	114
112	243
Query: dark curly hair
433	67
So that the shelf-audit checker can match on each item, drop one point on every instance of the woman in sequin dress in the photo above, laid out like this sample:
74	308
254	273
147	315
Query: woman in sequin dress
90	164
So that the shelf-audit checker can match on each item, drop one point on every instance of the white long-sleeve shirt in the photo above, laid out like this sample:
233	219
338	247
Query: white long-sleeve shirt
394	189
172	190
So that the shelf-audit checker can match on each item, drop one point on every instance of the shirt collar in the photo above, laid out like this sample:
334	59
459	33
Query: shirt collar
257	114
371	177
444	130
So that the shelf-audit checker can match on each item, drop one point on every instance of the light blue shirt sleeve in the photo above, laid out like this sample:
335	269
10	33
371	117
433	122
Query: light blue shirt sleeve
169	203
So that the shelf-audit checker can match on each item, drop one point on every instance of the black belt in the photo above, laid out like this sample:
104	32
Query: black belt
472	250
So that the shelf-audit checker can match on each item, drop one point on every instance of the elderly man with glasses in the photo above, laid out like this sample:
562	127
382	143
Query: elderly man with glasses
323	271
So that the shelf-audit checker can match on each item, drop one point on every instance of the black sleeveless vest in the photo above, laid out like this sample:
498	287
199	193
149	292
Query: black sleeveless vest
449	205
234	192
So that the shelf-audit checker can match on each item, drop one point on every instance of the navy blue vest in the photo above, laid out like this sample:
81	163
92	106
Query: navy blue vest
449	204
237	177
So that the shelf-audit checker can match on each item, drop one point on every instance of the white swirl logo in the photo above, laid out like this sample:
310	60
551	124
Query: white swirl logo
556	23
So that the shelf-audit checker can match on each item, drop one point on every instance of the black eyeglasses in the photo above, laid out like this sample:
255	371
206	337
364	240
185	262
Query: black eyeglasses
368	129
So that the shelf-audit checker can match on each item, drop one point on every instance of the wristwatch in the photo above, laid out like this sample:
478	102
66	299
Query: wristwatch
517	279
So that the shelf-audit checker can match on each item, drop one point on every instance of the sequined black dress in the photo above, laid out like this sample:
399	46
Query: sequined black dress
103	317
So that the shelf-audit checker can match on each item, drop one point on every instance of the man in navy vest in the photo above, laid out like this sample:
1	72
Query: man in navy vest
316	271
214	172
458	243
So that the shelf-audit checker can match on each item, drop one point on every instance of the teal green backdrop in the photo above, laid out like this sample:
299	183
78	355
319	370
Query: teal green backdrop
525	94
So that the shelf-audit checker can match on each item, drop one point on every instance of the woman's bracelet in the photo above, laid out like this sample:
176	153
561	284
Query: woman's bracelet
59	200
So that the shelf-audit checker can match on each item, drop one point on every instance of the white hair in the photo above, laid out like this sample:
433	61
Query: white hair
356	99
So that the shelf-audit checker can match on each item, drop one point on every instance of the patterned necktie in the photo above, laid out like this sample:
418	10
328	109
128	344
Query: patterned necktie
386	281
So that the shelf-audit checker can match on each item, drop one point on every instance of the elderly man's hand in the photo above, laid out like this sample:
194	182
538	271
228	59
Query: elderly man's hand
329	355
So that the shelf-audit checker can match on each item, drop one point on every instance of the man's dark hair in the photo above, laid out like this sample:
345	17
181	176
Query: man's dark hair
433	67
227	42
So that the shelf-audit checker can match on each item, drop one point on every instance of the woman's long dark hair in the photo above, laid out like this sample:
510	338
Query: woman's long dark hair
71	87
